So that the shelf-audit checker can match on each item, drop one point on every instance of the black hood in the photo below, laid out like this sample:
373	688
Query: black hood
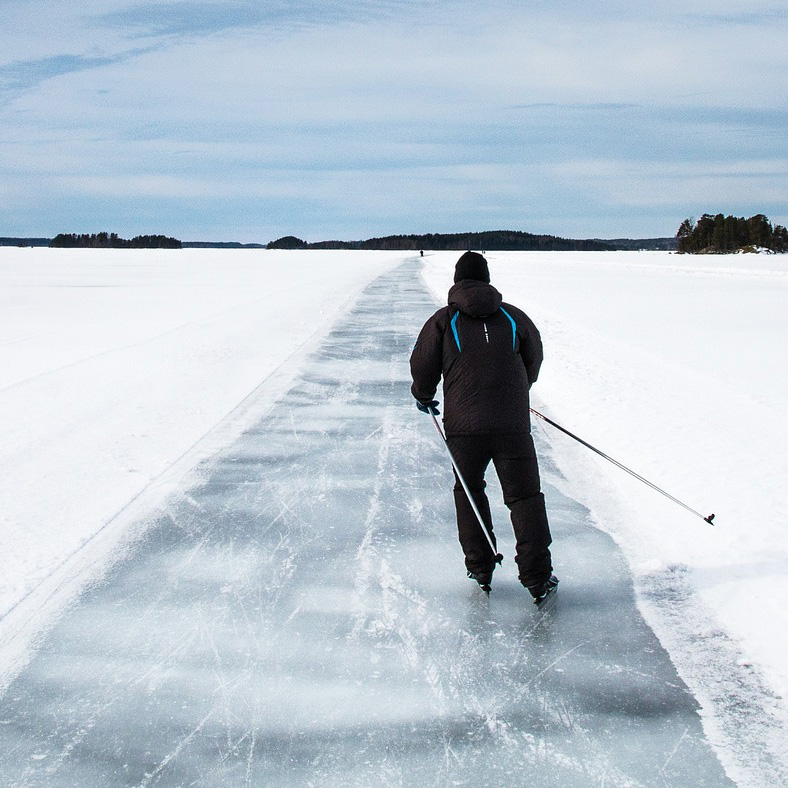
475	298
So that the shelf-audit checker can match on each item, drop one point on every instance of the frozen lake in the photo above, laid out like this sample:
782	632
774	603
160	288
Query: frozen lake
301	617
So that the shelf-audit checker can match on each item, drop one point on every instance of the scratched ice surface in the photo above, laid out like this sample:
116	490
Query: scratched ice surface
302	618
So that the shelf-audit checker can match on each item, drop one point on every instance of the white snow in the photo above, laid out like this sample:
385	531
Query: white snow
675	366
114	364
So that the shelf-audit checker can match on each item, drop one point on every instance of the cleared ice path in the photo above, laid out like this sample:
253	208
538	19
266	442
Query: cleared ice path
302	618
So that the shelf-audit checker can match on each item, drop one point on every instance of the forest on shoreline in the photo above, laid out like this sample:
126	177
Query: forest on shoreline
491	240
711	234
113	241
730	234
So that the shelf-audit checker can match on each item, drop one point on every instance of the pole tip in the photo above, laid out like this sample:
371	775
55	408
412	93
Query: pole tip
709	519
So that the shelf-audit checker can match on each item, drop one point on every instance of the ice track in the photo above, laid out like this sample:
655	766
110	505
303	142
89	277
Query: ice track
301	618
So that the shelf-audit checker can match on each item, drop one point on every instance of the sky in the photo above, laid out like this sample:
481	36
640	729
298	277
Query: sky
247	120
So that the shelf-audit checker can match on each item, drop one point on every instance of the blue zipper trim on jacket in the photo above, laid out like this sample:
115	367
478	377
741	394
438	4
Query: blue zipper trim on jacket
514	329
454	330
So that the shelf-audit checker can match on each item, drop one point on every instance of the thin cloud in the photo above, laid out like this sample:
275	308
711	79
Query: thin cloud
196	18
770	16
599	106
167	19
23	75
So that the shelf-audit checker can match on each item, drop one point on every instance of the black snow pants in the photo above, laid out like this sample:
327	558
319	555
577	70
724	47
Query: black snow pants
514	458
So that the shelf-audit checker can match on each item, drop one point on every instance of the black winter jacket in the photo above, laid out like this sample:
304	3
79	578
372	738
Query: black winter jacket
488	353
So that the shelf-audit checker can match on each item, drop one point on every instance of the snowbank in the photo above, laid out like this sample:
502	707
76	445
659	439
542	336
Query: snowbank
114	364
674	366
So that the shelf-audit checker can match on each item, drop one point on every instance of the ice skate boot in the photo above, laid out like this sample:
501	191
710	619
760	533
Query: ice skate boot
542	591
483	578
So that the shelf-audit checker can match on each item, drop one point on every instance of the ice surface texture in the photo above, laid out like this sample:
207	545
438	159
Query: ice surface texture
302	617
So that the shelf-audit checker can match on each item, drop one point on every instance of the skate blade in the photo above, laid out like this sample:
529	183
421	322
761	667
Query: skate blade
549	595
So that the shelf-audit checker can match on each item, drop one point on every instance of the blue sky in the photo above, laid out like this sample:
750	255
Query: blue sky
251	120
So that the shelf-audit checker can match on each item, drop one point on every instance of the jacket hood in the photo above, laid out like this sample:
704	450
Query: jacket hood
475	298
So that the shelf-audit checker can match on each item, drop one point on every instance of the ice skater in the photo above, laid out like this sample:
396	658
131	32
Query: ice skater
489	354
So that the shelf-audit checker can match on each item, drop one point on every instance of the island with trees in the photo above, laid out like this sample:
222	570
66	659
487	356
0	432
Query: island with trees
730	234
113	241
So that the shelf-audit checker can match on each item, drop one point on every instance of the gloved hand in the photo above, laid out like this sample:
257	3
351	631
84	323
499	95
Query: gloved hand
428	407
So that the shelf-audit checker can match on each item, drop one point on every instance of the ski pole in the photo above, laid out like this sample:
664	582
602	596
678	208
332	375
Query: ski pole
498	556
653	486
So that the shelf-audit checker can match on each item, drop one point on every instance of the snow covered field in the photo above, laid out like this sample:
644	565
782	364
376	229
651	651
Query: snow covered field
296	614
121	370
116	364
675	366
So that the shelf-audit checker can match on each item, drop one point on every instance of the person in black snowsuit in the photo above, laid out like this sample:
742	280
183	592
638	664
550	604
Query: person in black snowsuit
489	354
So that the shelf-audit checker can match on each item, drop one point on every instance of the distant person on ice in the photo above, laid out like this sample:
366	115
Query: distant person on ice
488	353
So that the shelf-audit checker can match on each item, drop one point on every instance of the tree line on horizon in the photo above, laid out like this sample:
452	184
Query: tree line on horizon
711	234
494	240
729	234
113	241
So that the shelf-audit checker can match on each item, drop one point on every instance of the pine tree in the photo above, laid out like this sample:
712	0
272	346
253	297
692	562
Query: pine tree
726	234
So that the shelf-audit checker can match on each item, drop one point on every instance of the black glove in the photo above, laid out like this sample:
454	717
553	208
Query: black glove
428	407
